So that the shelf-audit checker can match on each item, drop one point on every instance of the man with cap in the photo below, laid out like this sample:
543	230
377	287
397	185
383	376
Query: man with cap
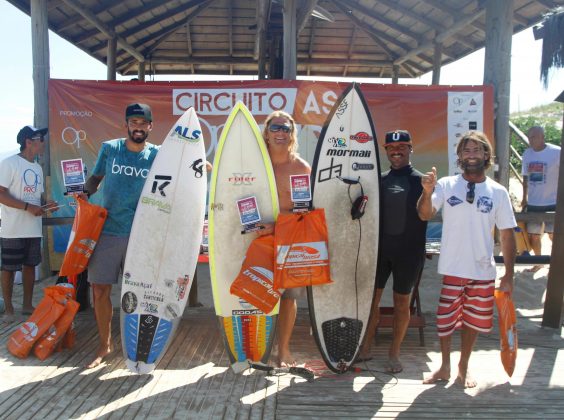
22	203
402	247
123	164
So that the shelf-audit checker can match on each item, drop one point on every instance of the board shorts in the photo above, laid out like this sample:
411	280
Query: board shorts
293	293
405	268
17	252
106	262
535	228
465	302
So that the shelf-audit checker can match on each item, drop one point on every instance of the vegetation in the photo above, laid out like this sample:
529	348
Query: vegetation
547	116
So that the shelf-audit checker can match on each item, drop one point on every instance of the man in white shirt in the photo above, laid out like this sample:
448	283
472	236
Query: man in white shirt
472	205
541	165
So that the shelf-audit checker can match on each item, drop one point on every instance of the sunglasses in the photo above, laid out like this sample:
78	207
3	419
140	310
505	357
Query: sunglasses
38	138
274	128
470	193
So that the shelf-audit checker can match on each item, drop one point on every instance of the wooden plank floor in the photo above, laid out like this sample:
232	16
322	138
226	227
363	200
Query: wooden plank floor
193	380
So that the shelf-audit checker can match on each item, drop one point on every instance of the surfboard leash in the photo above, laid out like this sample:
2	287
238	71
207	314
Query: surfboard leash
305	373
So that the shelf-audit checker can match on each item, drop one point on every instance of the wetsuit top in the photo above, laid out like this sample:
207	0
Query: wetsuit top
402	229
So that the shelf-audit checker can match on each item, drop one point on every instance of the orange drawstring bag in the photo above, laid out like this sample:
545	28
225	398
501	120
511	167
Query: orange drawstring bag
302	254
86	228
254	282
507	330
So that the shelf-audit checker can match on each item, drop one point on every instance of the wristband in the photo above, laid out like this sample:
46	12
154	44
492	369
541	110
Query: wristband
25	207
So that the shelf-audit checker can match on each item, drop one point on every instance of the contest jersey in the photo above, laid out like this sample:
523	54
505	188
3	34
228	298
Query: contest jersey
467	242
542	169
402	228
124	175
24	181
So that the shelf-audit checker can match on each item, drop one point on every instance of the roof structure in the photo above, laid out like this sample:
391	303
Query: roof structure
345	38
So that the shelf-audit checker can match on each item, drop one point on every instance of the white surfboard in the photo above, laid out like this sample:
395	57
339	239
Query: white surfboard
241	169
347	148
164	245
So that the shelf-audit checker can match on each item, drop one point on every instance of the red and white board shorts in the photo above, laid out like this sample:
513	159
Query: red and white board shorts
465	302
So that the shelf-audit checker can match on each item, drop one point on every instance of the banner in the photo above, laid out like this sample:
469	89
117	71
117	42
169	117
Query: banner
83	114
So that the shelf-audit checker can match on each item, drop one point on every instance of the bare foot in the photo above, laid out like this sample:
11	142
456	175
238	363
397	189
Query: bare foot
100	354
533	269
285	359
28	311
465	379
8	318
443	374
393	365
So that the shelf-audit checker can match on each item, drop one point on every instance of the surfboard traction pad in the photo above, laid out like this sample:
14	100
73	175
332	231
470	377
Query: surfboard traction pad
342	337
148	344
248	337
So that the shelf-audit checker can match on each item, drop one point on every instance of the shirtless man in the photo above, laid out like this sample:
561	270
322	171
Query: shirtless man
281	139
472	205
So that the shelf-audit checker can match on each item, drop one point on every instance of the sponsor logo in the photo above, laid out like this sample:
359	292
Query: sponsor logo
485	204
129	302
151	308
246	312
257	279
332	171
181	286
160	183
77	113
351	153
154	296
363	137
71	136
221	101
473	102
362	166
472	125
342	108
216	206
337	141
184	134
129	170
457	100
31	180
302	253
242	178
454	201
396	189
160	205
29	330
198	168
172	311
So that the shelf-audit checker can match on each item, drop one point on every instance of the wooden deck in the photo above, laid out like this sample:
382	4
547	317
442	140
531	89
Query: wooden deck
194	379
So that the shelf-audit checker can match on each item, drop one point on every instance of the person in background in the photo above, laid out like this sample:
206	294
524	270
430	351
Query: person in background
23	204
123	164
402	249
472	205
541	166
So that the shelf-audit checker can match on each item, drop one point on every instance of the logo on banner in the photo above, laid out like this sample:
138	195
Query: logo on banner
160	183
198	168
72	136
184	133
221	101
362	137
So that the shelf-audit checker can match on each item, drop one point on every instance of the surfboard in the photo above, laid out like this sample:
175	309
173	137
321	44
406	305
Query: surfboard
347	148
241	169
164	245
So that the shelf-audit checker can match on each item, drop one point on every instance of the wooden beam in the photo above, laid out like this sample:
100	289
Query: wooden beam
141	72
263	14
395	74
437	62
111	59
102	27
226	61
304	13
440	38
497	72
290	38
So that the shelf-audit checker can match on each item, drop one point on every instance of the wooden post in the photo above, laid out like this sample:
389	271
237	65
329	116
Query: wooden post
497	72
437	57
111	59
40	58
290	36
141	71
395	74
555	286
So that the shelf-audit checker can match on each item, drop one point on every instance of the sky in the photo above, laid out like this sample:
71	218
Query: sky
69	62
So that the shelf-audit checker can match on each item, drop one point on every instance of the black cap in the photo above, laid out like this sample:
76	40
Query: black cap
140	111
28	132
397	137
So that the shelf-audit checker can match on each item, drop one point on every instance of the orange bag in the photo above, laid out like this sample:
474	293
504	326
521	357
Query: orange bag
254	282
302	255
507	330
44	315
86	228
48	342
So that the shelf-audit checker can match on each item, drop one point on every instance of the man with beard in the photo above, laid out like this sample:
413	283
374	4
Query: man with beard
472	205
402	246
123	164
